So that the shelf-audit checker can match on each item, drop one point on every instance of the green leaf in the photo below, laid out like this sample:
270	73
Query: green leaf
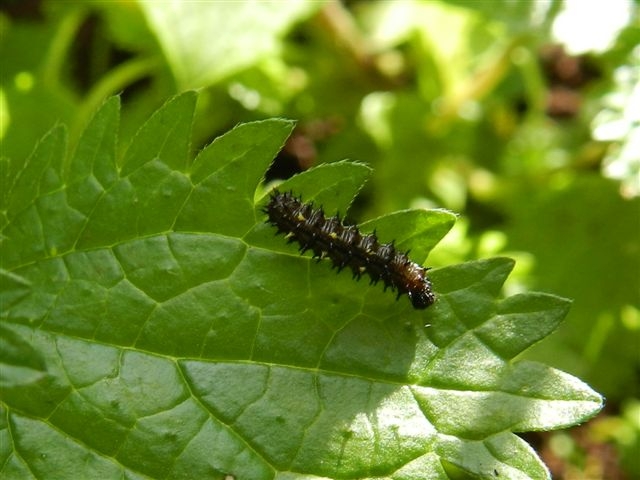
34	204
225	176
21	363
154	326
200	40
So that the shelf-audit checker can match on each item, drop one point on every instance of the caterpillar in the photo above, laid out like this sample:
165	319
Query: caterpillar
345	246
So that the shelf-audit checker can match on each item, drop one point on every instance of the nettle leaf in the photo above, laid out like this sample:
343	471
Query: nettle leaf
153	326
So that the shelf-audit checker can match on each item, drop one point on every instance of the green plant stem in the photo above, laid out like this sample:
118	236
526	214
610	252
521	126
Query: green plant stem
55	58
115	81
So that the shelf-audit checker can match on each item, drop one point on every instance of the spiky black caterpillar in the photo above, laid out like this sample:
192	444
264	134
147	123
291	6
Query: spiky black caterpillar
347	247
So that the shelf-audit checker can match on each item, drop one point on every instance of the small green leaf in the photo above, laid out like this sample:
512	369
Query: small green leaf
196	60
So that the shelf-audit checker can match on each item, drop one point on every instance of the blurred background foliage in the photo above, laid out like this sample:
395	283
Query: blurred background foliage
521	116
